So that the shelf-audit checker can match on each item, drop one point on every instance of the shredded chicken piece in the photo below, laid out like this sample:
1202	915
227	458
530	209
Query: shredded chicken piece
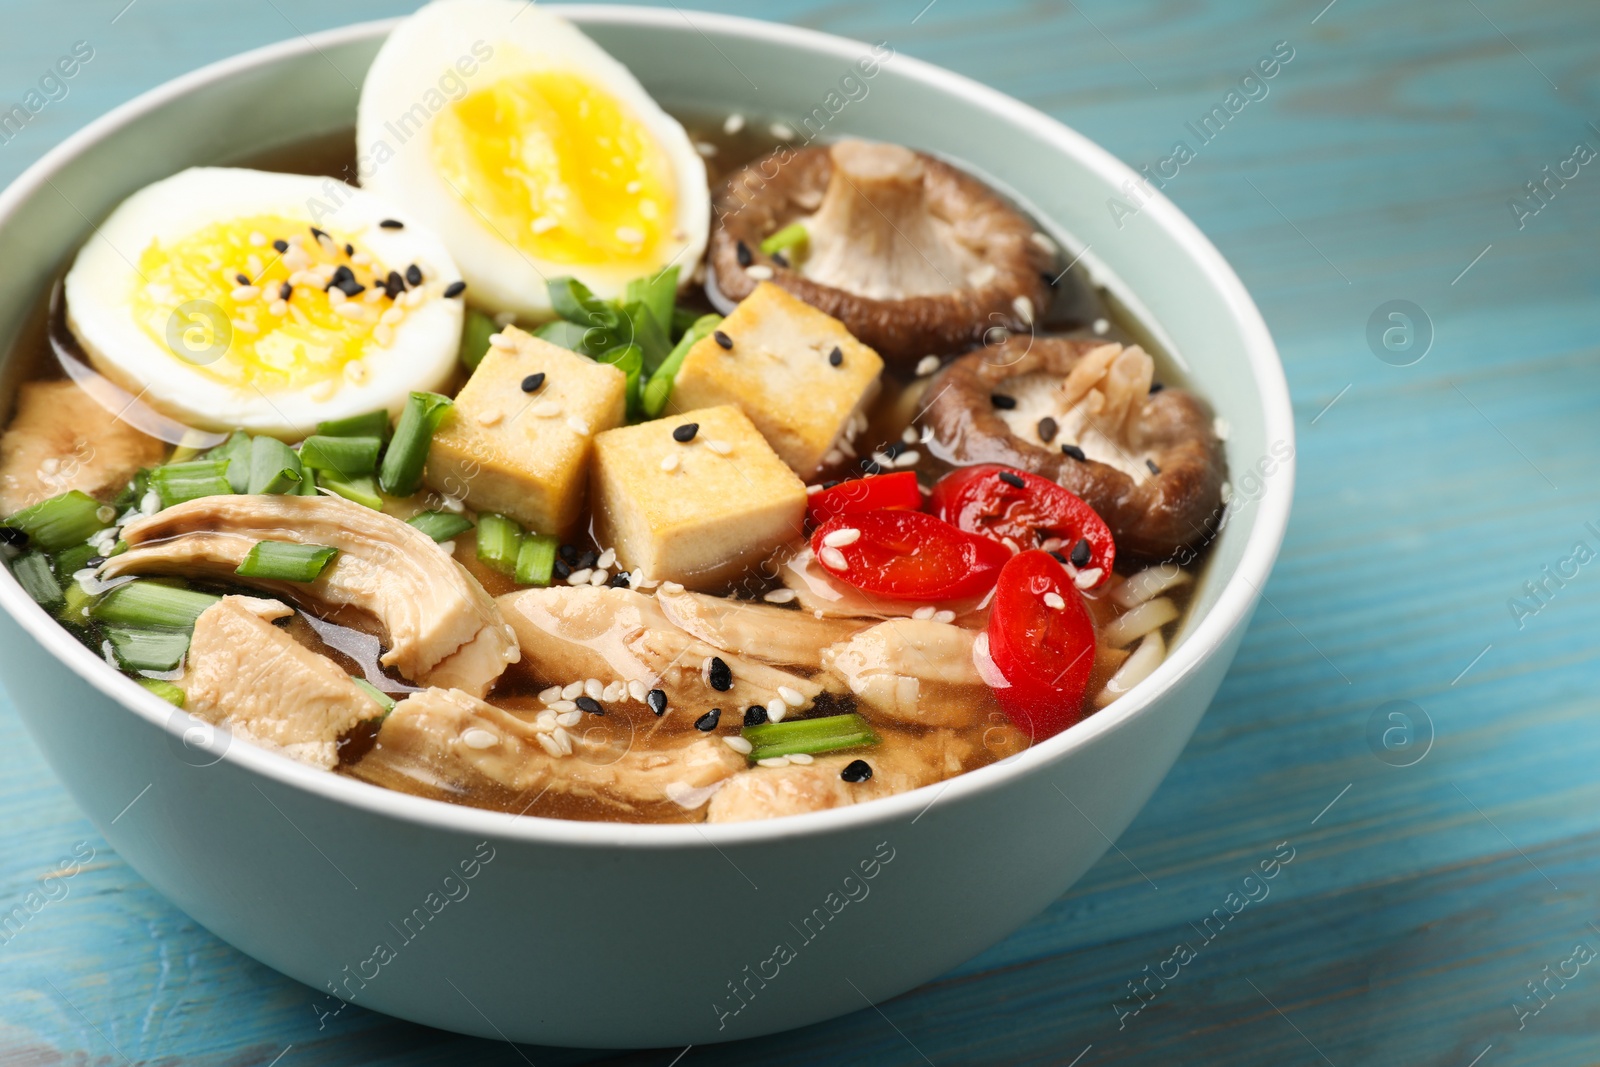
759	632
61	439
913	671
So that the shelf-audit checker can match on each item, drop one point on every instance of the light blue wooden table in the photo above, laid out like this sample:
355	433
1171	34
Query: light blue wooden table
1422	900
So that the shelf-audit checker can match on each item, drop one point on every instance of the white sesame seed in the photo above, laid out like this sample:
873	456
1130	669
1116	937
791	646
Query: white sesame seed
909	435
924	612
1227	492
944	616
630	235
1221	427
572	689
361	259
241	293
549	745
245	327
721	448
774	761
669	462
839	538
1101	325
982	276
570	718
780	596
833	456
608	558
801	758
737	743
733	124
279	307
550	695
1087	579
500	340
1044	242
593	688
759	271
782	131
791	696
505	318
671	587
580	577
258	239
909	458
372	296
545	409
489	418
833	559
813	490
352	311
337	297
600	577
777	709
637	690
1053	599
547	720
564	739
927	365
577	425
479	738
1024	309
562	706
544	224
614	691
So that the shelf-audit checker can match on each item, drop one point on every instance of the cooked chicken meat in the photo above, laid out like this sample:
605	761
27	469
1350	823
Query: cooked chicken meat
445	741
1154	466
61	439
440	626
914	671
249	675
758	632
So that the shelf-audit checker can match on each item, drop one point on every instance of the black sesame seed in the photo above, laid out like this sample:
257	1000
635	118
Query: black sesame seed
1058	557
657	699
741	252
13	537
589	704
719	675
413	275
871	466
392	224
709	720
723	339
242	279
349	249
342	276
394	285
830	485
1080	554
1049	279
587	560
1012	478
532	382
285	291
320	235
94	561
1075	452
1048	428
858	770
561	569
620	580
1003	402
454	289
836	357
1156	387
280	246
893	450
569	552
1152	465
685	433
755	715
780	259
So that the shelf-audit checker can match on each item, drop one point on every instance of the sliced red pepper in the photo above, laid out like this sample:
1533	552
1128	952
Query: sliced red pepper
1001	503
1041	640
897	491
907	555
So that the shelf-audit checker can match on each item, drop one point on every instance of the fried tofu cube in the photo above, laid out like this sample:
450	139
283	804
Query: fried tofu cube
525	453
697	512
781	372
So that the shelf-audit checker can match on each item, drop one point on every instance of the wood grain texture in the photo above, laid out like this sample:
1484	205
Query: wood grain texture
1422	901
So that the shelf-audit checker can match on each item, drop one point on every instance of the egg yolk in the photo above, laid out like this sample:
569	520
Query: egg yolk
215	299
560	169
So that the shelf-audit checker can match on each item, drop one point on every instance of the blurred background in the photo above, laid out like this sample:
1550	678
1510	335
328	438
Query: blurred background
1414	203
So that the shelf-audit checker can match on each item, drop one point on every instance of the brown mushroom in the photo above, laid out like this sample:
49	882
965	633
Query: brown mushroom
911	254
1153	465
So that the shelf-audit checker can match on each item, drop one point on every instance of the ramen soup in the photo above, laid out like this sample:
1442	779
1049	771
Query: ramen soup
577	460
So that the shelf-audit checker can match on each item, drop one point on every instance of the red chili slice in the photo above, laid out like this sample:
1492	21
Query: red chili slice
999	503
1041	640
892	491
907	555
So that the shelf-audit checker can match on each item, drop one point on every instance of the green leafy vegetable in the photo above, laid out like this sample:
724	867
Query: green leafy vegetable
653	400
53	524
372	424
274	468
656	293
33	572
147	650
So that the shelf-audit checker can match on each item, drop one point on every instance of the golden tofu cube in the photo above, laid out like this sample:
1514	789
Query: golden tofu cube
781	373
698	512
526	454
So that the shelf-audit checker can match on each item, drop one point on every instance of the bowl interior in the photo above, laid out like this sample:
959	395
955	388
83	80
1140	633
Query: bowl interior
825	88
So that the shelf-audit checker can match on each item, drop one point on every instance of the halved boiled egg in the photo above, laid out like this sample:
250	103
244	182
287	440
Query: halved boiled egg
268	302
532	152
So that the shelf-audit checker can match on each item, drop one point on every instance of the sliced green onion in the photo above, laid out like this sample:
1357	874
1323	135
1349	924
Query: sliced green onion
441	525
363	491
499	540
475	334
286	561
149	603
33	572
308	482
536	558
792	237
348	457
165	690
70	561
682	319
133	493
656	292
235	452
379	697
76	602
274	468
187	448
147	650
372	424
810	736
653	399
178	482
54	524
402	464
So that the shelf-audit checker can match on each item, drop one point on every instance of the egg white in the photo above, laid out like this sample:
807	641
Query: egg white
100	286
450	48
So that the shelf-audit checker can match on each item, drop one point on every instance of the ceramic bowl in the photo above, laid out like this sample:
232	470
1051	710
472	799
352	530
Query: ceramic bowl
613	935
